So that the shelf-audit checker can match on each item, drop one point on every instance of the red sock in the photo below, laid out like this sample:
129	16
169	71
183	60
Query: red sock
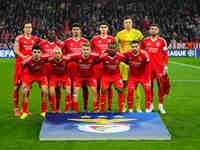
85	97
95	107
121	101
58	97
15	98
25	107
130	99
148	97
160	96
110	96
68	103
103	102
52	103
75	106
44	107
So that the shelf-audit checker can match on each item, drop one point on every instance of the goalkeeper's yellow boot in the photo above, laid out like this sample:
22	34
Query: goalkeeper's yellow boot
43	114
24	116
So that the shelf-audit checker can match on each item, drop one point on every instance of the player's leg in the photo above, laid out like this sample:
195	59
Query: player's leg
104	91
68	101
52	97
95	102
137	99
119	87
132	85
110	96
147	89
25	96
44	98
58	97
17	84
75	98
85	96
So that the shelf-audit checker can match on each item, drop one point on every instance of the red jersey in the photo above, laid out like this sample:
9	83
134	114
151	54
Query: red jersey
58	68
34	68
47	47
99	44
73	46
25	45
138	63
111	64
85	65
157	51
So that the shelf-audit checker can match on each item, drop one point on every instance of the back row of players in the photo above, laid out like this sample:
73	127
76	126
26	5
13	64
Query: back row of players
78	63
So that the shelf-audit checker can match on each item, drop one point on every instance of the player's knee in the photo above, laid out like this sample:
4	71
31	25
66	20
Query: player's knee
25	91
119	90
125	83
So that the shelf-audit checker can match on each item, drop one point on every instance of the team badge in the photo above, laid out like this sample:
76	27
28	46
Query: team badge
148	44
90	61
99	41
157	44
72	44
116	61
140	59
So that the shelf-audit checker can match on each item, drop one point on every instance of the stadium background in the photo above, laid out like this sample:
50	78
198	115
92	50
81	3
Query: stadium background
180	23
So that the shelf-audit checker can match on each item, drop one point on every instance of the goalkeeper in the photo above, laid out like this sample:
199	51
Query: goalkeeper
124	39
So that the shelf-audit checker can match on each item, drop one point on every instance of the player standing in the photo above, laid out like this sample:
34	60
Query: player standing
140	72
85	64
124	38
22	48
156	47
99	44
72	46
59	75
33	67
111	75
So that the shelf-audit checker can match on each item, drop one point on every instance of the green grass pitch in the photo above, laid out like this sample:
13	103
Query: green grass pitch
182	119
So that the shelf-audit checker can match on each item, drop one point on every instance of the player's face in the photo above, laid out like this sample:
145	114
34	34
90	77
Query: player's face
111	49
57	53
86	51
28	28
51	36
135	47
103	29
128	24
153	30
36	53
76	31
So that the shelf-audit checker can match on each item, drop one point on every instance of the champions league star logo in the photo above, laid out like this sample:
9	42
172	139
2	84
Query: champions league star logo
101	124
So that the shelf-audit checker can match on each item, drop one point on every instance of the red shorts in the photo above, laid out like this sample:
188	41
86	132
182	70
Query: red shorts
107	80
90	81
134	81
98	71
56	81
18	73
156	72
27	80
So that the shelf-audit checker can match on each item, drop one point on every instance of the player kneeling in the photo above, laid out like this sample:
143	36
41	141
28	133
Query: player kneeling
111	75
34	71
59	76
140	72
85	63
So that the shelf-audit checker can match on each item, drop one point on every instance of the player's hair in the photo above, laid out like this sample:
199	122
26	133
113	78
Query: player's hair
76	25
103	23
27	22
128	17
112	43
57	48
36	46
135	42
154	25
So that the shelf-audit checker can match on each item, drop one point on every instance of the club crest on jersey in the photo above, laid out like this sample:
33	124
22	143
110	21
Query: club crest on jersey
99	41
157	44
139	58
148	44
116	61
90	61
80	61
54	65
72	44
32	41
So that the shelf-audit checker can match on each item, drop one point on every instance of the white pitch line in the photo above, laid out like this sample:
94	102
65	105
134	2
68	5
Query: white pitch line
186	81
185	65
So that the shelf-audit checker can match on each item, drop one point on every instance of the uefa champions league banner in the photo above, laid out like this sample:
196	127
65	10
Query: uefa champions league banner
7	53
183	53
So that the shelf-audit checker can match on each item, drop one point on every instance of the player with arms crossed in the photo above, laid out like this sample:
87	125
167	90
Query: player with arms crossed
33	67
140	70
99	44
156	47
111	75
22	48
73	46
85	63
125	38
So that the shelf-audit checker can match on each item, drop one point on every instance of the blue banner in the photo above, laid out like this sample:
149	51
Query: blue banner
182	53
7	53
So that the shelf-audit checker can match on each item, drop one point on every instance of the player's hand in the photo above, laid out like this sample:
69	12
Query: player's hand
165	72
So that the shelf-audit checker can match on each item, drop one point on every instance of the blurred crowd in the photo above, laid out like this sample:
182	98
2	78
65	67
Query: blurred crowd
179	20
